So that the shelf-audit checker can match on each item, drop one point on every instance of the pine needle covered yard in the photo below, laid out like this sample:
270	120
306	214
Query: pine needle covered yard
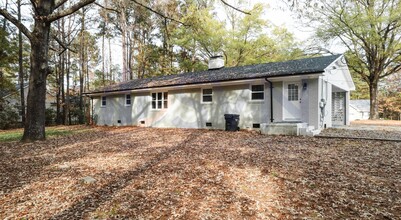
198	174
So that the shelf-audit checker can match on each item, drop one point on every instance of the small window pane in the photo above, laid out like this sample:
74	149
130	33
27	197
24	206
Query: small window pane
159	103
207	95
257	96
207	91
207	98
257	88
258	92
104	101
128	99
293	92
153	96
159	96
153	104
165	99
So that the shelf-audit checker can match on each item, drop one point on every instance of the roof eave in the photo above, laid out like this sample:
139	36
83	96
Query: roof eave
199	83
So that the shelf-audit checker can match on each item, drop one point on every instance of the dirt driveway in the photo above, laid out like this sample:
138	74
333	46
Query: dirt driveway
147	173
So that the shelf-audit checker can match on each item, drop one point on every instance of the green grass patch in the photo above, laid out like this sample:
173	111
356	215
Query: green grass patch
16	135
10	136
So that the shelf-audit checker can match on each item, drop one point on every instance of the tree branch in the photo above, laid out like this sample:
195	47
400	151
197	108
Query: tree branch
158	13
59	3
106	8
68	11
35	9
18	24
237	9
65	47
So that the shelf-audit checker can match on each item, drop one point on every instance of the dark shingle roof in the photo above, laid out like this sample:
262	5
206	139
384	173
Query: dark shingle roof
293	67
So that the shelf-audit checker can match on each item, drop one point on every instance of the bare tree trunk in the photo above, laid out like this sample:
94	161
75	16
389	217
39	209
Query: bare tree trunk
5	20
124	40
67	92
35	117
106	73
82	72
62	79
21	67
87	76
130	55
58	94
103	62
373	91
110	63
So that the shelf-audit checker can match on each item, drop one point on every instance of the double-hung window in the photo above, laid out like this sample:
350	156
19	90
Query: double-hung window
104	101
207	95
257	92
127	99
293	92
159	100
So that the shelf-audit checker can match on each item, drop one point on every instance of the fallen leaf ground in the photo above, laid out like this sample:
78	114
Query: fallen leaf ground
148	173
377	122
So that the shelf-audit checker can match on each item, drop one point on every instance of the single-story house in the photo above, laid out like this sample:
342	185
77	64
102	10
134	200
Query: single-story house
308	94
359	109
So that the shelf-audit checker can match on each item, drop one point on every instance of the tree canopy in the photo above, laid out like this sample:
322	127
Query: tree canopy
369	29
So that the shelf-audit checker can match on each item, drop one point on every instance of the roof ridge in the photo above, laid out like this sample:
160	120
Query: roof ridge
262	70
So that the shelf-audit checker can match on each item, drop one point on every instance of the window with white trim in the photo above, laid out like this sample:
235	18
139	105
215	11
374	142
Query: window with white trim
258	92
207	95
104	101
159	100
127	99
293	91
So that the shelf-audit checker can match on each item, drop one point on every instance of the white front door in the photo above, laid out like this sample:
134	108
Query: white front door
292	101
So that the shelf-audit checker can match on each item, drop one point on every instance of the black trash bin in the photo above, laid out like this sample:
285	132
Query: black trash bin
232	122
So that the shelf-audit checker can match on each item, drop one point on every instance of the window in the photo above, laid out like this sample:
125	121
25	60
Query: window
258	92
103	101
159	100
128	99
293	92
165	99
207	95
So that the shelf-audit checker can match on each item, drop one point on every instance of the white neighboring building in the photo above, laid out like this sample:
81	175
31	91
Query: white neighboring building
359	109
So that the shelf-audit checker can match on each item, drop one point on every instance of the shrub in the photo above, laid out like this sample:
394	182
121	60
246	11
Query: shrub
50	116
8	117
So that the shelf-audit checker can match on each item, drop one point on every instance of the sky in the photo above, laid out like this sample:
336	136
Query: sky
279	15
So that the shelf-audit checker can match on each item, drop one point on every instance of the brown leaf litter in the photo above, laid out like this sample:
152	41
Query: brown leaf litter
148	173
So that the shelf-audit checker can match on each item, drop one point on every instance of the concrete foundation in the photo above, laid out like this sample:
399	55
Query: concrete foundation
288	129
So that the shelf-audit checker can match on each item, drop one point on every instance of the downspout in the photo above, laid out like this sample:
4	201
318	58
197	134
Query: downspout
271	100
